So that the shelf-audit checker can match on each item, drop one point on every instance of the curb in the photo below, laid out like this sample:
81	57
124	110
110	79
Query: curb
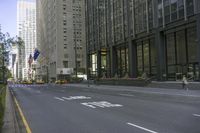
22	117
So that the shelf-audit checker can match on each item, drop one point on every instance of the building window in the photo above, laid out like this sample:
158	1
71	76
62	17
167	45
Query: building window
180	8
170	49
93	70
167	11
181	47
160	13
65	64
78	64
122	61
153	58
190	7
66	55
192	45
173	10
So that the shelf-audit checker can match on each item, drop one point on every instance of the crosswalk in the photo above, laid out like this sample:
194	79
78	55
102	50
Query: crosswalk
25	85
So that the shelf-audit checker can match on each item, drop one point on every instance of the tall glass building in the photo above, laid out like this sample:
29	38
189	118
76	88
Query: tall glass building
132	37
26	29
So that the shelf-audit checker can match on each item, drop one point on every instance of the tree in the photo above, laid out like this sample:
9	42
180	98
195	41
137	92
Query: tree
5	44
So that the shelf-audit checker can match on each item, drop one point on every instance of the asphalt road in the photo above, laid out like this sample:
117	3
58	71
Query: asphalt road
67	109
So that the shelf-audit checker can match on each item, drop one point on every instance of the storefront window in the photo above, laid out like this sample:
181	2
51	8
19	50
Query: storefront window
103	64
181	47
153	57
139	59
127	60
170	49
122	61
94	65
171	58
146	56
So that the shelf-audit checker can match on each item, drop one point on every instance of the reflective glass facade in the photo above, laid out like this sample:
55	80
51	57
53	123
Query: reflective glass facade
157	37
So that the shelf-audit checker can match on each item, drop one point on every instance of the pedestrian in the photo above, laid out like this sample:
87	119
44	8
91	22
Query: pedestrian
185	83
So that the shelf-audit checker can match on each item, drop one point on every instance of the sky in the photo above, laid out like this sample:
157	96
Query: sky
8	16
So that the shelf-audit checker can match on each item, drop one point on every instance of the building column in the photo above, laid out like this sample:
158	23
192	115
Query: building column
98	64
113	57
88	68
132	56
132	60
198	32
161	59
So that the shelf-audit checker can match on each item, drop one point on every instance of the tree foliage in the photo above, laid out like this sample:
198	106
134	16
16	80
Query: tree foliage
6	42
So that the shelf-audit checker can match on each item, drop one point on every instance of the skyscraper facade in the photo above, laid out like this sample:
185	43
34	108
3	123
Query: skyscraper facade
61	38
132	37
26	29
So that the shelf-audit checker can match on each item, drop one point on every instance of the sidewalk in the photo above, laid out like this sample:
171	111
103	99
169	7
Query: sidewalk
10	118
144	90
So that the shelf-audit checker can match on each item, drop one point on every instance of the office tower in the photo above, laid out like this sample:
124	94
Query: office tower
60	34
132	37
26	29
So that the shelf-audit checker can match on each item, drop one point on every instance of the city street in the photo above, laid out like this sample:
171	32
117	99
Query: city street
73	109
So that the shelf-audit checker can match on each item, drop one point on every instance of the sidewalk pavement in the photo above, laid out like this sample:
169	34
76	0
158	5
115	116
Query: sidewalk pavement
10	119
144	90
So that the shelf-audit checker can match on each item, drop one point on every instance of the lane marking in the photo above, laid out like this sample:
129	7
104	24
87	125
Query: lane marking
59	98
129	95
88	105
145	129
76	97
101	104
38	91
28	129
196	115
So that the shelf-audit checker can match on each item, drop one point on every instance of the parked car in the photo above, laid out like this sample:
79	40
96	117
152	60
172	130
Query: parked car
61	81
39	82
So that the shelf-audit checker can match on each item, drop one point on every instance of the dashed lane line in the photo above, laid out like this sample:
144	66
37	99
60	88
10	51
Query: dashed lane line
145	129
128	95
196	115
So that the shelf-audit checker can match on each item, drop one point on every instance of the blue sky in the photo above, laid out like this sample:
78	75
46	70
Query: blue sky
8	15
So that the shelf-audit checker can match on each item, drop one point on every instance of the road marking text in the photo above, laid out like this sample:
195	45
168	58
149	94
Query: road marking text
101	104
